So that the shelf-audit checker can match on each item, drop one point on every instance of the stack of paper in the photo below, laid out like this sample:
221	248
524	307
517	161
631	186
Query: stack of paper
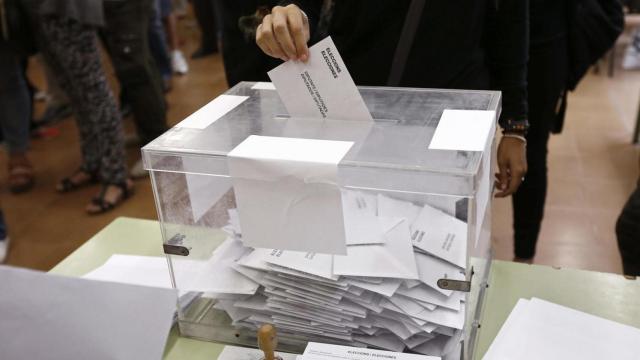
537	329
383	293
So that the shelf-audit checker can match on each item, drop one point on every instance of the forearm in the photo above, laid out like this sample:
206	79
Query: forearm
508	54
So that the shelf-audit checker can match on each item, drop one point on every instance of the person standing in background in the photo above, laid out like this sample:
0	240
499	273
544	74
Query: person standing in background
243	59
547	82
628	233
169	18
158	45
488	50
15	102
206	15
66	35
126	36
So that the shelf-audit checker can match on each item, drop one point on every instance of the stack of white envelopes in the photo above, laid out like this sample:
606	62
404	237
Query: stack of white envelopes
383	293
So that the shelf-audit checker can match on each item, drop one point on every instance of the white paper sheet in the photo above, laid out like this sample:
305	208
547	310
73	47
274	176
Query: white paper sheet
263	86
393	259
441	235
362	225
426	294
211	112
321	87
310	263
214	275
466	130
242	353
327	351
543	330
54	317
134	270
287	193
204	190
388	207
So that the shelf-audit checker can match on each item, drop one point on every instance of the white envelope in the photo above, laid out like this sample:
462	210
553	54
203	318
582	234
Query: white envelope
242	353
426	294
215	275
441	235
321	87
393	259
362	225
387	288
388	207
310	263
432	269
287	193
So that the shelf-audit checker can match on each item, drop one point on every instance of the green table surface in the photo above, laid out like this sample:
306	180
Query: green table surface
608	295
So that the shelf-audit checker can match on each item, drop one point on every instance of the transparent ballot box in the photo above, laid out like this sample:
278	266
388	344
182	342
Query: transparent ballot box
415	221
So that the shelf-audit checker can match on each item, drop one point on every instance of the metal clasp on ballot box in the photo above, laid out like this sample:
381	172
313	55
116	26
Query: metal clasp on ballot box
174	246
457	285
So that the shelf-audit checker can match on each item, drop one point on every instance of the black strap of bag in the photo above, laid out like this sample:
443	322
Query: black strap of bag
594	27
411	22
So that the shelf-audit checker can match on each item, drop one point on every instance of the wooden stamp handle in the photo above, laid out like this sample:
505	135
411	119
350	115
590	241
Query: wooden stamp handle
268	341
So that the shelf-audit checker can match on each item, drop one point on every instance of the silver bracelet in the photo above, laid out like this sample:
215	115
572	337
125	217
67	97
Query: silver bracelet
515	136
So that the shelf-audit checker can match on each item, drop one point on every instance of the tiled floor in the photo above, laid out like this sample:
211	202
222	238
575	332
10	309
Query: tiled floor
593	168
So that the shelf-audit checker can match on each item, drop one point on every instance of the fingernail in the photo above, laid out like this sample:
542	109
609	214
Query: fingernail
303	57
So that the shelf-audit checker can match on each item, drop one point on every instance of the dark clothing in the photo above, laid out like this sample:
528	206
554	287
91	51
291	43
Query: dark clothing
71	49
468	44
15	101
126	38
158	43
243	59
547	79
628	234
88	12
206	15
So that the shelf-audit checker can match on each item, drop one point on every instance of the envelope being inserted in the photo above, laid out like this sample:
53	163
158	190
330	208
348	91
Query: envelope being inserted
287	193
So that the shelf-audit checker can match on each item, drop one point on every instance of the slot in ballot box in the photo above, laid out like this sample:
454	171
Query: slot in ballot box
366	233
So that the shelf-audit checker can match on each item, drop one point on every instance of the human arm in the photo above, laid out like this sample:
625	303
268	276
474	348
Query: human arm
507	57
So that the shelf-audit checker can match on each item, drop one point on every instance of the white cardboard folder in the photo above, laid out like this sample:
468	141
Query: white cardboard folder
287	193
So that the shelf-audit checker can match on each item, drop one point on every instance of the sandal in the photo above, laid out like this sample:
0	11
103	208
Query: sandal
67	185
21	176
103	205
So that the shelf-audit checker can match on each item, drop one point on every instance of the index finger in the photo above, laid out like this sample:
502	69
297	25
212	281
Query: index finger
299	30
283	37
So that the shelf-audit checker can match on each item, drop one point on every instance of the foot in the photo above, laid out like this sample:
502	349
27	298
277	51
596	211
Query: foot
110	197
54	114
179	63
4	249
76	181
523	260
21	174
137	171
